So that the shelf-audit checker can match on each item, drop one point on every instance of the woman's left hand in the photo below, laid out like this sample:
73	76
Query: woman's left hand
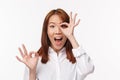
68	28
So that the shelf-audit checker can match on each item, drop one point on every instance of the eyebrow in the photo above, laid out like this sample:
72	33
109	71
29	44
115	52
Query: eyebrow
51	23
54	23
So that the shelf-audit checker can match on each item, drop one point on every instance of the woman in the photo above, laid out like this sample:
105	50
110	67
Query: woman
60	56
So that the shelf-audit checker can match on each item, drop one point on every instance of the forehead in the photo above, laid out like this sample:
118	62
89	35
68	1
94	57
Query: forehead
55	19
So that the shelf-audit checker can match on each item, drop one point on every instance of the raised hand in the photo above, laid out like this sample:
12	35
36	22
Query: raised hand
28	59
68	28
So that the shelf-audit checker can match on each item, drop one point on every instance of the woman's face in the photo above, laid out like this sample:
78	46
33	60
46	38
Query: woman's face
57	38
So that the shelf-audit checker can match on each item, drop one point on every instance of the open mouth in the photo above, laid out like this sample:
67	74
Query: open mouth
58	38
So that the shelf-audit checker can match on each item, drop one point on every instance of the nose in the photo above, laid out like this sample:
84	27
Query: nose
58	31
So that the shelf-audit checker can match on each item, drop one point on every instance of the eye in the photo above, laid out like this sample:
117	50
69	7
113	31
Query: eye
64	26
51	26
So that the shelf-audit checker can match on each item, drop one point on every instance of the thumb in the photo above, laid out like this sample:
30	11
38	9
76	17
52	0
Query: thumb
36	54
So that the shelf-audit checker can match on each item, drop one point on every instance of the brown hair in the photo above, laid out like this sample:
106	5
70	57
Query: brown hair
45	42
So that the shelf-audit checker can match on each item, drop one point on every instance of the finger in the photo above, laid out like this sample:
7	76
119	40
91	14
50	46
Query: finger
21	52
75	17
24	49
70	17
32	54
64	23
36	54
77	23
19	59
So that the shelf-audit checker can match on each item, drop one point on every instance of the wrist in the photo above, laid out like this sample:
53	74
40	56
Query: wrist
32	71
32	75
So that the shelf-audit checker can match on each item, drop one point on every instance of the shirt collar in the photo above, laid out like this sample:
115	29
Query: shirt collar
62	51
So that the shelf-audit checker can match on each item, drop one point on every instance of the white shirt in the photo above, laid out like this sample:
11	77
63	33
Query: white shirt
59	68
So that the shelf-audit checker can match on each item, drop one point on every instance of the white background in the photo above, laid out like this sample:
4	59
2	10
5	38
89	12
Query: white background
99	33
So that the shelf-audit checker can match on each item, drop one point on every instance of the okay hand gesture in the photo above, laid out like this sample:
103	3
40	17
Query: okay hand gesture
68	28
28	59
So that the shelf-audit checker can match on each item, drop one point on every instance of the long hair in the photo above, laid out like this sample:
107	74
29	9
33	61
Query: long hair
45	42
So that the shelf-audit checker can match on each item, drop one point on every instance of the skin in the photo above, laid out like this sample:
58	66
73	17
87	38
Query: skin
66	33
54	31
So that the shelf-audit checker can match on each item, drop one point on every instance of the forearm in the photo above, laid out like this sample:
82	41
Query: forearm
32	75
73	42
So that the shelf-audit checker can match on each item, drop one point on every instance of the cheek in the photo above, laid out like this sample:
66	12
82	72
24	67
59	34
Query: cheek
50	35
49	32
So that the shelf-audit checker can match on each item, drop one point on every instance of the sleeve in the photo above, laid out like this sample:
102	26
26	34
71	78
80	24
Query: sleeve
84	63
26	74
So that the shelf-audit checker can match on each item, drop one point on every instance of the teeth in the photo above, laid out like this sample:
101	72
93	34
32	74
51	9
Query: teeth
58	38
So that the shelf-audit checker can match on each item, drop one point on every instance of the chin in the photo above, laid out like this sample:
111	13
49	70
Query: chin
57	48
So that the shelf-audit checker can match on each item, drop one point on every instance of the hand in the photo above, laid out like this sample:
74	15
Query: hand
68	28
28	60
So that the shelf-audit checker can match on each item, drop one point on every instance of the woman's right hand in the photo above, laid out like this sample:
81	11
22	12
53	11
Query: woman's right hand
29	60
